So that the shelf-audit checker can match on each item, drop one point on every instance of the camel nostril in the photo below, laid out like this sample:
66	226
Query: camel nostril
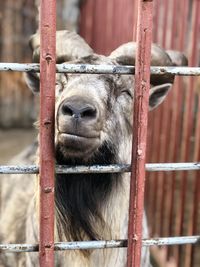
77	110
88	112
67	110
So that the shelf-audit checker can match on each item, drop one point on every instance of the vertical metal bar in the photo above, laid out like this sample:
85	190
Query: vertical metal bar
156	142
196	195
174	24
175	143
100	16
165	24
162	123
87	21
116	24
156	20
109	28
190	250
163	119
135	15
141	98
126	7
188	116
184	252
47	102
188	124
196	199
172	141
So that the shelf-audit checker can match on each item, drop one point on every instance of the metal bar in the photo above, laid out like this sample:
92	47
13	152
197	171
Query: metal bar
46	148
103	244
151	167
165	127
173	126
174	25
98	13
100	69
177	42
152	143
184	254
196	197
110	15
135	15
188	126
141	99
89	21
165	22
156	21
159	122
194	61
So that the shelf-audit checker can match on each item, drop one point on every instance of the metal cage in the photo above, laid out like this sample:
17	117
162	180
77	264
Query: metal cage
46	168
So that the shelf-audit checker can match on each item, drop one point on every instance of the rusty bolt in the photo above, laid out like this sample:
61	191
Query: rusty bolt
48	245
48	58
48	190
47	122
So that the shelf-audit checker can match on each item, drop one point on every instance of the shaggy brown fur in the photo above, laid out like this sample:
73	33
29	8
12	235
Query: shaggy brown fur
93	126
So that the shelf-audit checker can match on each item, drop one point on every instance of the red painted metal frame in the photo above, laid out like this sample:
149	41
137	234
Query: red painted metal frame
188	124
161	123
141	98
47	102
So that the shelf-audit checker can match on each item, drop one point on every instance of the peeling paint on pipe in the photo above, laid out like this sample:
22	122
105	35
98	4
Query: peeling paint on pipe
114	168
100	69
60	246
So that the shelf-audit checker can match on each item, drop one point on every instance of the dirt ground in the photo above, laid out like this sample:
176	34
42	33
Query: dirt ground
14	141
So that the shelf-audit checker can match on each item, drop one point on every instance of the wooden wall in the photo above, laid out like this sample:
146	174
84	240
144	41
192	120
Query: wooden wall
18	21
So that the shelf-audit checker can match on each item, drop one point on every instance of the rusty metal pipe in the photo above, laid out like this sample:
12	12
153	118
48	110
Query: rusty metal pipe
46	136
150	167
101	69
141	98
60	246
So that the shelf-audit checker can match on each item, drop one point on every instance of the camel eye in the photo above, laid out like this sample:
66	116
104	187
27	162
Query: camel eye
59	88
127	92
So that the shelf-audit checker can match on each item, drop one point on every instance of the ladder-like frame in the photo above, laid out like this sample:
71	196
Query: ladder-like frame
47	168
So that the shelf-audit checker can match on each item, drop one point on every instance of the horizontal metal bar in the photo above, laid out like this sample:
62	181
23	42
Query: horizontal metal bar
180	71
114	168
184	166
172	241
14	169
123	243
19	247
20	67
164	241
101	69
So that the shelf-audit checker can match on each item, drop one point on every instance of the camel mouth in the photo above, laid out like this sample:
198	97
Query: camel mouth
76	137
78	145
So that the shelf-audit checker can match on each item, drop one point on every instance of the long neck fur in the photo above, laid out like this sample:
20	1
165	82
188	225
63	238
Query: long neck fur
81	197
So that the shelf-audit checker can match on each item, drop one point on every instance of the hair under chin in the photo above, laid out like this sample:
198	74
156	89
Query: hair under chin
80	197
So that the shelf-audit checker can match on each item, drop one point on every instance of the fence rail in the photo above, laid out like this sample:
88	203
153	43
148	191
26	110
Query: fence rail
101	69
113	168
47	245
59	246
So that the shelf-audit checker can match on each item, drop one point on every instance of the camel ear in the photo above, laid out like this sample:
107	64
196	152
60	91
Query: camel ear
33	81
177	58
157	94
69	46
126	53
